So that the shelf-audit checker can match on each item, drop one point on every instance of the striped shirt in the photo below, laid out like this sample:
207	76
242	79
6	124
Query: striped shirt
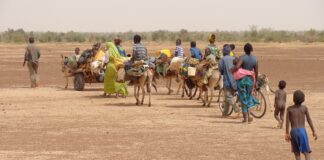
179	51
139	52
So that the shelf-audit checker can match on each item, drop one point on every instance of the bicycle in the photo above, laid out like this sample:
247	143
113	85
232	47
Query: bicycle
257	111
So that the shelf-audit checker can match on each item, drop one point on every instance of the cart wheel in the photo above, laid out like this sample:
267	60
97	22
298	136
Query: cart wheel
79	82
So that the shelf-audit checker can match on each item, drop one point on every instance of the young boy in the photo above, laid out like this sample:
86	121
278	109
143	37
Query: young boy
179	49
296	118
280	103
195	52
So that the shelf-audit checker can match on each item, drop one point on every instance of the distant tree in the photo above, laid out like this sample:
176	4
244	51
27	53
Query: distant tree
252	35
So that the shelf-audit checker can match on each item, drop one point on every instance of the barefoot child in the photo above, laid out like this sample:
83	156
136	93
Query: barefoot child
296	118
280	103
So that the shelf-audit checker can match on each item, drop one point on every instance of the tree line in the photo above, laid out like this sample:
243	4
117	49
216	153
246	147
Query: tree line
252	35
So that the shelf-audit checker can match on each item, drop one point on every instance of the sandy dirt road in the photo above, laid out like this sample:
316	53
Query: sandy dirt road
52	123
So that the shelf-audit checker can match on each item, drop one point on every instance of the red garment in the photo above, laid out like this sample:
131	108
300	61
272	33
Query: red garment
241	73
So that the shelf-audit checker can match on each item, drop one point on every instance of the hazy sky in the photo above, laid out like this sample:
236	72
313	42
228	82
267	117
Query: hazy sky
148	15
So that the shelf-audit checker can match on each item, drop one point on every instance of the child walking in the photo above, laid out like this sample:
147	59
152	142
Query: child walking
280	103
295	118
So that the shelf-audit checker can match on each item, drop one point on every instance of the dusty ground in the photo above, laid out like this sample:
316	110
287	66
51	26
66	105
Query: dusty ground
53	123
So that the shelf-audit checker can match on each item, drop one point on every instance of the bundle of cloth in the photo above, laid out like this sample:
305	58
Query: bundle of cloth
175	64
98	61
138	69
85	56
163	61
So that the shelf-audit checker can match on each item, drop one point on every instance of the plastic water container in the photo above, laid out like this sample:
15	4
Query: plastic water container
167	52
191	71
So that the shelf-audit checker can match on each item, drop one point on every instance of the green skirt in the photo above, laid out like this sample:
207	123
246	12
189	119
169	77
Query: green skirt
110	84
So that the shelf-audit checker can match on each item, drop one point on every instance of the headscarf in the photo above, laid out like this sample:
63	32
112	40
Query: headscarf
114	55
212	38
113	51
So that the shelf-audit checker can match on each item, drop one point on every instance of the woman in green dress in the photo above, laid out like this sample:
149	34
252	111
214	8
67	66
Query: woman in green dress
111	86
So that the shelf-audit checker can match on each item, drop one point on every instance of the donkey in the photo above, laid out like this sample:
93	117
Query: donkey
214	81
172	71
66	71
140	83
140	80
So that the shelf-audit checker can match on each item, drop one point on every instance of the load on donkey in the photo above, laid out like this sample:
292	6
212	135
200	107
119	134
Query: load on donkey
168	67
139	70
203	76
86	68
201	72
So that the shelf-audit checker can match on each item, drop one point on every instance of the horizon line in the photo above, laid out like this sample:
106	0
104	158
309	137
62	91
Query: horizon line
217	30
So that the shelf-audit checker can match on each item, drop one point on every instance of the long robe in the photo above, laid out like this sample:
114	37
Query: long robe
110	84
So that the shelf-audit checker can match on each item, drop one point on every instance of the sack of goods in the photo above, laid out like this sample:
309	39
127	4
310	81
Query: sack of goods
121	75
96	64
176	63
85	56
191	71
192	61
162	69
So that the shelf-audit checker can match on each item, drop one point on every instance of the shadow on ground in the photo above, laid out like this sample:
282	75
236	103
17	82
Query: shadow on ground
124	105
185	106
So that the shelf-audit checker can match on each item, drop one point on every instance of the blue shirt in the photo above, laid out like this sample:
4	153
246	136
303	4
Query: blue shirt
249	62
121	50
225	65
196	53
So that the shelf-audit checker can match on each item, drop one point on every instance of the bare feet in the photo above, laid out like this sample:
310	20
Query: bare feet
235	116
281	124
250	119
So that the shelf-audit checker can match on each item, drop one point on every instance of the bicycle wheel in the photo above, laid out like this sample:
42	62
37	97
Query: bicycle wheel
259	110
221	103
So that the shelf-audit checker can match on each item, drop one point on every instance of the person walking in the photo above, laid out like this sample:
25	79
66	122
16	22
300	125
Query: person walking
248	83
230	87
112	60
32	55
